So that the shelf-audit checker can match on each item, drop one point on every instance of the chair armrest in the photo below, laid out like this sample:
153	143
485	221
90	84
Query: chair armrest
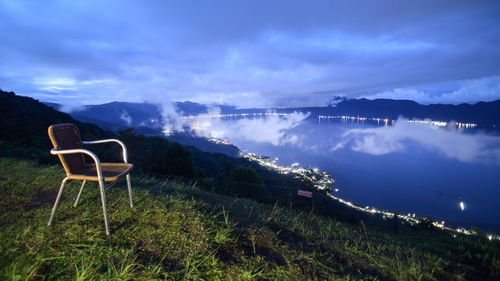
56	151
124	148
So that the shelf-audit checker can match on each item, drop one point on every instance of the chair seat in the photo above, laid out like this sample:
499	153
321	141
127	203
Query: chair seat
110	172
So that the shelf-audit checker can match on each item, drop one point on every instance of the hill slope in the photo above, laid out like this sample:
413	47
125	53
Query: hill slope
24	127
176	232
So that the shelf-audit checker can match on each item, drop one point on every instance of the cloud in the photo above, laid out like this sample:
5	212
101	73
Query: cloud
171	117
243	51
468	91
270	129
126	117
70	107
449	142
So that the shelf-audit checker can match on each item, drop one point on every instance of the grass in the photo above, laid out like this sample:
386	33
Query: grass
177	232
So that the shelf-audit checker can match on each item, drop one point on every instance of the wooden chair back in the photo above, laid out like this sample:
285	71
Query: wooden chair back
67	136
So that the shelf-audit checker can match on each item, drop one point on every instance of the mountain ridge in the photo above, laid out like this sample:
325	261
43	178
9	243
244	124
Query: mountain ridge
484	114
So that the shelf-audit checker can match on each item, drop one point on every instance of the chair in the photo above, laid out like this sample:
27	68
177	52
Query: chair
68	146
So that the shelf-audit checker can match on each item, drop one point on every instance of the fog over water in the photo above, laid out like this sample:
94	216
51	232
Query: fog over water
448	142
412	168
273	130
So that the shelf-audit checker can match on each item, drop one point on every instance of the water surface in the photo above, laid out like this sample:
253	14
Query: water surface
428	172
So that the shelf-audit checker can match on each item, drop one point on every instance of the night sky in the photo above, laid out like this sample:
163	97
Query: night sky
250	53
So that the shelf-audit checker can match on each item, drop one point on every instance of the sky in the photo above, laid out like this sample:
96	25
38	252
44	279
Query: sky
250	53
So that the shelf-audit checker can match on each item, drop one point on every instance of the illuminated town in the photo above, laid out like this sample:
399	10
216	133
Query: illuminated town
220	141
387	122
233	115
339	118
322	181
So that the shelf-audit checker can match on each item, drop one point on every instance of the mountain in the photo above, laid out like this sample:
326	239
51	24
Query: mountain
119	115
204	144
485	114
192	108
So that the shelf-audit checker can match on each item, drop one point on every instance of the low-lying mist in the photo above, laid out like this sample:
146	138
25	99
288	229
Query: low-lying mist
171	117
270	129
275	130
449	142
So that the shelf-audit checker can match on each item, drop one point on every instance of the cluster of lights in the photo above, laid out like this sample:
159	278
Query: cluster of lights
343	118
220	141
233	115
167	132
412	219
320	180
357	119
443	124
434	123
385	121
323	181
466	125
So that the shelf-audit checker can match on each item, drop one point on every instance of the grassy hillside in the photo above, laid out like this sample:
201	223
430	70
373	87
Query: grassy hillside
177	232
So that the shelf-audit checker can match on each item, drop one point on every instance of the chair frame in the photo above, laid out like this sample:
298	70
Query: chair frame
102	189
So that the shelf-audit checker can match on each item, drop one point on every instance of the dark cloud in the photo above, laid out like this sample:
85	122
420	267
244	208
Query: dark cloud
244	51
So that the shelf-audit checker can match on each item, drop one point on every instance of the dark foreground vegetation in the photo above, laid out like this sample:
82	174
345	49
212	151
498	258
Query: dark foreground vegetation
196	218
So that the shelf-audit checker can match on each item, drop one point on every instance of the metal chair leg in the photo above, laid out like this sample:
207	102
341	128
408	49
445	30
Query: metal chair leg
104	209
129	185
58	198
79	193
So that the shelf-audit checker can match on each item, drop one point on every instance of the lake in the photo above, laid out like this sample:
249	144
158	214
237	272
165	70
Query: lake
412	168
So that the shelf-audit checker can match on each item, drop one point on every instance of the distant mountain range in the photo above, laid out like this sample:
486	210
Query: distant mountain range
144	117
485	114
147	117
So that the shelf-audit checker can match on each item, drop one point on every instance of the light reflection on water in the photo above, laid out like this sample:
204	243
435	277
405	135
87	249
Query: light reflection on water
417	178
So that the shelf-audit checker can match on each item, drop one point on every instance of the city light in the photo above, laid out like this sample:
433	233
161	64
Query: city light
320	180
220	141
233	115
323	181
385	121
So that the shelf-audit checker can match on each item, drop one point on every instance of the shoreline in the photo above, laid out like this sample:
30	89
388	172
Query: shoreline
323	181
